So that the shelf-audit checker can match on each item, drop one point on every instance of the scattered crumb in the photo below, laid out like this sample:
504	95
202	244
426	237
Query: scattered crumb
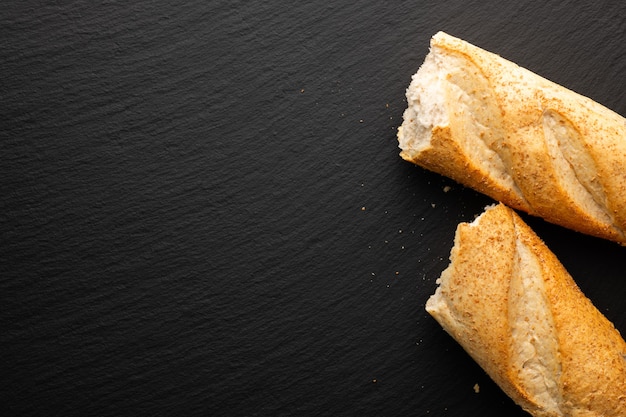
397	272
301	90
363	208
476	388
374	381
446	188
360	120
433	205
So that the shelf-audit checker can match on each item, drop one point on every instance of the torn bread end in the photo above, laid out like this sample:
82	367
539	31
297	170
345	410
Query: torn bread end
449	127
426	107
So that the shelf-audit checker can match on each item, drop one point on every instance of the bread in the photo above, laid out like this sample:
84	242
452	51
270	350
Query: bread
514	308
518	138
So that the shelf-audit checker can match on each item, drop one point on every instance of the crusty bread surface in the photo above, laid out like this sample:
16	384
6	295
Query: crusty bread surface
523	140
513	307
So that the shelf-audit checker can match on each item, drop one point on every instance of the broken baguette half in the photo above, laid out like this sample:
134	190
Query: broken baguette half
513	307
523	140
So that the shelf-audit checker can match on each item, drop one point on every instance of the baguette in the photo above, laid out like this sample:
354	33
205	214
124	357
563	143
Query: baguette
518	138
514	308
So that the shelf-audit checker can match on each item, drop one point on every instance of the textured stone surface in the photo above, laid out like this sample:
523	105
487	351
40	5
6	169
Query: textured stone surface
203	210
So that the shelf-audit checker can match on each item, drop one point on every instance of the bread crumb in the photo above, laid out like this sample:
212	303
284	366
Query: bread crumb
363	208
476	388
446	188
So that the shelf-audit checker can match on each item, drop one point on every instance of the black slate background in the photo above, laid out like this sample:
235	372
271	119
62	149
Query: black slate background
203	211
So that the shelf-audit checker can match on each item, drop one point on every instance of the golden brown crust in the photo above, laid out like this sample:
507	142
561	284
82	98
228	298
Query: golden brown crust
565	154
445	155
592	352
514	308
469	308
